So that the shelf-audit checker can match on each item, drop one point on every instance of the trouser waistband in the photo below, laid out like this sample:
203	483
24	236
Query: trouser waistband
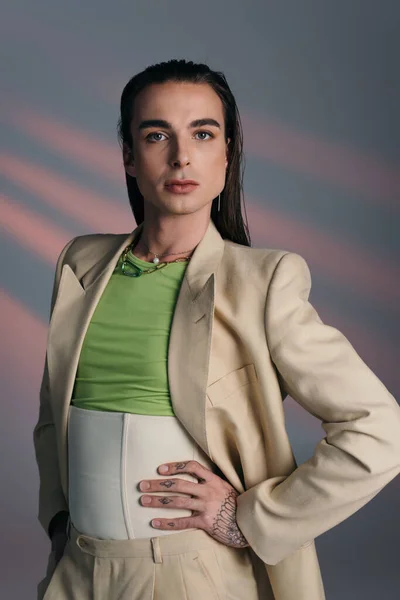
155	547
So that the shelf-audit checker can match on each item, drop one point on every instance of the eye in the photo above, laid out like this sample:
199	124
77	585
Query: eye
206	132
151	134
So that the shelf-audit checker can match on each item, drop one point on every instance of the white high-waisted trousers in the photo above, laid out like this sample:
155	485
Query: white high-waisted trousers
109	453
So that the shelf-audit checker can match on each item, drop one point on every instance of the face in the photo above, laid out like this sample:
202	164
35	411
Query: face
178	148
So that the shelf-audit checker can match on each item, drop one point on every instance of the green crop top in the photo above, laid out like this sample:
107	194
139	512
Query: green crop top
123	361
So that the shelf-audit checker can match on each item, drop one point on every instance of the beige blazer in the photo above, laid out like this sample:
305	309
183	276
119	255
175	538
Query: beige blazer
243	336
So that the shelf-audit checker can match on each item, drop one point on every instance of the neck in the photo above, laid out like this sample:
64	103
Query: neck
169	241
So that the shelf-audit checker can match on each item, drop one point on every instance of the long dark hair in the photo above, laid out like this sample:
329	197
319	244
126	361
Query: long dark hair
229	220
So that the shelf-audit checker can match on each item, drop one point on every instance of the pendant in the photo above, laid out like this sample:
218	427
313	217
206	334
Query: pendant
130	269
156	260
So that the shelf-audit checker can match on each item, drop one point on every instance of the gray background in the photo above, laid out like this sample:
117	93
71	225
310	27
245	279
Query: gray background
317	84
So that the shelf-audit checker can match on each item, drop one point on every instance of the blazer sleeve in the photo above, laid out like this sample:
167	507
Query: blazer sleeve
360	453
51	495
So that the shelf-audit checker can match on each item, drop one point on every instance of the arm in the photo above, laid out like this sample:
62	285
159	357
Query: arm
361	451
51	496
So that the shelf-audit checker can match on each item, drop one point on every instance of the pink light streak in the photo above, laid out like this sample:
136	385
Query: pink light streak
338	259
98	212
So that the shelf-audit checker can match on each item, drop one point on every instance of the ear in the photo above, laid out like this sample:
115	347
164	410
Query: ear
128	160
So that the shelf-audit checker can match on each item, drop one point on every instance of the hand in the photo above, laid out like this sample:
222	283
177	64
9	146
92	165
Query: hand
212	501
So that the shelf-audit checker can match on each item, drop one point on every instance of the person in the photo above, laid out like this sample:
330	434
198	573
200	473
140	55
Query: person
175	345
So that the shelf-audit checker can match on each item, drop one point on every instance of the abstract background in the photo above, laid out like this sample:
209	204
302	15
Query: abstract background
318	90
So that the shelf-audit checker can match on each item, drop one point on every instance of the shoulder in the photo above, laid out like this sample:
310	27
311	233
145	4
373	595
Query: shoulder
90	247
265	266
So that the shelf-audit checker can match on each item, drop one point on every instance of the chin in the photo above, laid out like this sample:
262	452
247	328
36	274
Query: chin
182	205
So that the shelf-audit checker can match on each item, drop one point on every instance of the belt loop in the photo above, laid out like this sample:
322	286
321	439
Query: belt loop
155	546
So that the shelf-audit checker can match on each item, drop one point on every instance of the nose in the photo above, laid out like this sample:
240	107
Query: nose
179	155
180	162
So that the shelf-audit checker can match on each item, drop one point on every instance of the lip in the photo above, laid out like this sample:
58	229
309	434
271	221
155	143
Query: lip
181	189
181	182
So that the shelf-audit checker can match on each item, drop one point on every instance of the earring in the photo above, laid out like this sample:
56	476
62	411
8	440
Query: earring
219	202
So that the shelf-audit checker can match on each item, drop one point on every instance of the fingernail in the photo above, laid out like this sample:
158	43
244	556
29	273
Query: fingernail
144	485
156	523
163	468
146	500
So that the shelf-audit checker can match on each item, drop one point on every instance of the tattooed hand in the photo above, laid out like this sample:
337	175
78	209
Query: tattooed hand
212	501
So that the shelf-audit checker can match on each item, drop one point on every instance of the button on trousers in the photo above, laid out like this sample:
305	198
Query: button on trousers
188	565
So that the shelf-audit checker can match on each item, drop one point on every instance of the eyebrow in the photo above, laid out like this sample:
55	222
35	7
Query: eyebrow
166	125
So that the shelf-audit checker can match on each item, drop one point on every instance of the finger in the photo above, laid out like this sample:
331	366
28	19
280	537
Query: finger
176	524
174	485
172	502
192	467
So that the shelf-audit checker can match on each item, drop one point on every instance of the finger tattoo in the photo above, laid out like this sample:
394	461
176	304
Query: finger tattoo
168	483
165	500
180	466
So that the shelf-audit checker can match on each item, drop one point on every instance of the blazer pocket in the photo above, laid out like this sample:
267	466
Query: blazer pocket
231	382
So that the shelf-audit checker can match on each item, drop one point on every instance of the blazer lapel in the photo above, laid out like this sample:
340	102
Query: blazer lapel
189	342
190	336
